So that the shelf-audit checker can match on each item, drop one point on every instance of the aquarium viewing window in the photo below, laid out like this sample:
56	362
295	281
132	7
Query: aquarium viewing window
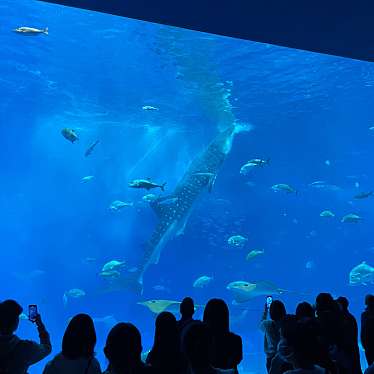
145	162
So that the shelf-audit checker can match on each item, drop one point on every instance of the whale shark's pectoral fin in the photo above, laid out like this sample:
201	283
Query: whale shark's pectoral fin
164	205
211	182
183	224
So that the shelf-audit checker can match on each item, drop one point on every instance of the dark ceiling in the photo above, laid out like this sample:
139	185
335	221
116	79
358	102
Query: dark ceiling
342	28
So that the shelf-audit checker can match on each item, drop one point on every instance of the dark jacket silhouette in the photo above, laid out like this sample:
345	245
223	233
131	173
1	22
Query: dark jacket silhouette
196	347
226	350
78	349
165	356
350	348
367	329
123	350
16	355
271	328
187	310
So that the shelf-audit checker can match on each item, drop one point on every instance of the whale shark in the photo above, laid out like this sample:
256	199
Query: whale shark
174	210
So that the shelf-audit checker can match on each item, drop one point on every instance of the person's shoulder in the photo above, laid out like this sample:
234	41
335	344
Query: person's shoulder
25	343
235	337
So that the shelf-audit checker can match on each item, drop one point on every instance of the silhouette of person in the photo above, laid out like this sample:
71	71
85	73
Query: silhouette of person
123	350
196	346
78	344
16	355
165	356
305	344
187	310
350	348
367	329
271	328
304	310
226	350
330	326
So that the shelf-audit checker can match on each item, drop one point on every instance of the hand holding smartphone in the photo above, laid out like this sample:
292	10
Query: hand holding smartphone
33	313
269	300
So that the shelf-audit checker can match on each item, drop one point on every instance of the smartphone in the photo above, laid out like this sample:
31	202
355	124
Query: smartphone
269	300
33	312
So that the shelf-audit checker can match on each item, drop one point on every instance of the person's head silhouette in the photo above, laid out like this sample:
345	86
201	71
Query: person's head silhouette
216	316
369	302
324	302
80	338
166	329
10	311
277	310
187	308
304	310
343	303
123	347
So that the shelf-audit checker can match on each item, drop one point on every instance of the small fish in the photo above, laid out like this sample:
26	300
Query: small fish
149	198
89	260
75	293
325	186
114	265
327	214
87	179
118	205
283	187
254	253
351	218
371	128
327	163
309	265
149	107
259	162
146	184
202	281
251	164
69	134
110	274
237	241
247	168
31	30
364	195
91	148
357	184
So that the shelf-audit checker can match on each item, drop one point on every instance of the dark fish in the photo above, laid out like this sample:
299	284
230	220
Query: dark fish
69	134
91	148
364	195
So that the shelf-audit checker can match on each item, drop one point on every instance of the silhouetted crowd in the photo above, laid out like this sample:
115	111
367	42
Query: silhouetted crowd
318	339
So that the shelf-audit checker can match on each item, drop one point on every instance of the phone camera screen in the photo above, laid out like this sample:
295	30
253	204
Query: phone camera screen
33	312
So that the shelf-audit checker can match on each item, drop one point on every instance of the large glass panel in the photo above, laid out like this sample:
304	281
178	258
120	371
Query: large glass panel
256	164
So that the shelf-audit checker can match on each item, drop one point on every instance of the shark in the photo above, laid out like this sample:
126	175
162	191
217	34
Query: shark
173	211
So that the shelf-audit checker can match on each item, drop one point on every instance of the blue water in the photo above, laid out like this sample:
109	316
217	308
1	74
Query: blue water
94	73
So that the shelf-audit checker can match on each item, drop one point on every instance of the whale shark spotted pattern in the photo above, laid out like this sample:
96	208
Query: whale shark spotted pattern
173	216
